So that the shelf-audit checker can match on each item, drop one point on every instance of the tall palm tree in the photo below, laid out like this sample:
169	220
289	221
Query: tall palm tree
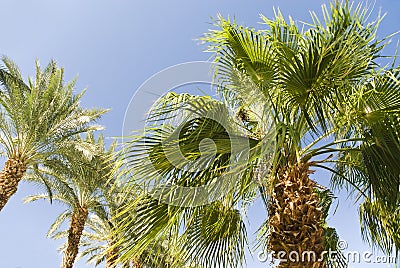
99	248
322	83
329	105
76	180
100	244
38	119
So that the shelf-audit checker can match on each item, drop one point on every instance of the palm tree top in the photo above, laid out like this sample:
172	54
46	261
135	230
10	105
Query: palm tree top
42	114
325	97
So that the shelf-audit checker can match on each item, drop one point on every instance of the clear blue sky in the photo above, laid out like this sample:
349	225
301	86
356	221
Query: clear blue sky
114	46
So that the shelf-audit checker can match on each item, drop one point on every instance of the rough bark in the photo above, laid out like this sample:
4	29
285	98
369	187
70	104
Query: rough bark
112	255
136	264
295	220
10	176
77	225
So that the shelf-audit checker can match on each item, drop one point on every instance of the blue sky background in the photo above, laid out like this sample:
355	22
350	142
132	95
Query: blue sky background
114	46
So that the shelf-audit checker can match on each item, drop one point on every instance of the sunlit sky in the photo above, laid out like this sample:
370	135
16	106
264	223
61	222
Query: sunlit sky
113	47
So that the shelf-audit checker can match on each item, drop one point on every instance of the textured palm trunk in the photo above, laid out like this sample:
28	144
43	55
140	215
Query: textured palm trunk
136	264
295	220
112	255
10	176
77	225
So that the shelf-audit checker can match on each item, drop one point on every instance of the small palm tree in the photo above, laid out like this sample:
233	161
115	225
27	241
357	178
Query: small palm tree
101	245
328	104
38	120
76	180
99	248
98	241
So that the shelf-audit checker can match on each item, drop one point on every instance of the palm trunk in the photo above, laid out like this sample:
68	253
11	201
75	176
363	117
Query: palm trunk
112	255
295	220
77	225
10	176
136	264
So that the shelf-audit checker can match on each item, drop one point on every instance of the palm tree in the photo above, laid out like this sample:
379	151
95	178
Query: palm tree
319	95
76	181
99	248
323	83
100	244
37	120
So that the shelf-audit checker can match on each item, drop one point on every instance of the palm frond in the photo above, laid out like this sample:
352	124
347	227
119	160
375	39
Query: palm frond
216	237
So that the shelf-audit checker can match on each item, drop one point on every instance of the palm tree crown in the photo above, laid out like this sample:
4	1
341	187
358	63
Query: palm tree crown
76	180
38	120
319	95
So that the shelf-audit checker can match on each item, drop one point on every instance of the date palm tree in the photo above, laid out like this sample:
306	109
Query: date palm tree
100	244
76	180
100	249
38	119
296	100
